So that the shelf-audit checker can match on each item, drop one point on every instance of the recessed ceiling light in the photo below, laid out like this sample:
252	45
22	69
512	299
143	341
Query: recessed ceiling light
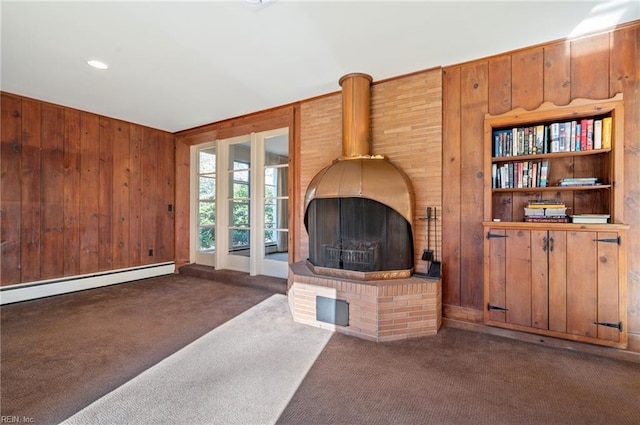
98	64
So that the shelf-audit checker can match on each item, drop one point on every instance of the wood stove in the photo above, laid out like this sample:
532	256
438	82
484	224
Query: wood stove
359	217
358	210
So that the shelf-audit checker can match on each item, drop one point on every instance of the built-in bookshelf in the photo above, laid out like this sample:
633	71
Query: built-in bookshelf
555	238
566	154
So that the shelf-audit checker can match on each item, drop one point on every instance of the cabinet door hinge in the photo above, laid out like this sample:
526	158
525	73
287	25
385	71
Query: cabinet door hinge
617	240
495	235
617	326
495	307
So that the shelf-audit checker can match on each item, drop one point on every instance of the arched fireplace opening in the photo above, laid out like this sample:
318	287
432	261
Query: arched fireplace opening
358	234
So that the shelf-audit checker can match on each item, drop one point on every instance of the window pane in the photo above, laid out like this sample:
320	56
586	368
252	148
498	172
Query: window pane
207	188
207	239
207	160
276	150
276	245
283	181
240	165
270	176
207	213
270	191
240	191
240	214
239	237
241	176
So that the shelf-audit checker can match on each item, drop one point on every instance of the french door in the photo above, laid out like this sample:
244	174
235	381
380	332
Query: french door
241	217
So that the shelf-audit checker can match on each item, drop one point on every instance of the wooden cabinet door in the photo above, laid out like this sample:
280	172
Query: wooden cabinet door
582	284
540	291
562	283
495	275
557	249
611	292
517	278
592	307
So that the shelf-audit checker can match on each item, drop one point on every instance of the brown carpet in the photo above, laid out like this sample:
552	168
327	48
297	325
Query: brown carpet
61	353
463	377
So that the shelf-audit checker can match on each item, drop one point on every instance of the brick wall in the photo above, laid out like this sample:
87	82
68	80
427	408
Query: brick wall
406	127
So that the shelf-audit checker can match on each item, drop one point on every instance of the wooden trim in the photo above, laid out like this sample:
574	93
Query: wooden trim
455	312
616	353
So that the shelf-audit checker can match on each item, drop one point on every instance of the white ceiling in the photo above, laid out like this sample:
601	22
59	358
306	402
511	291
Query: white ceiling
177	65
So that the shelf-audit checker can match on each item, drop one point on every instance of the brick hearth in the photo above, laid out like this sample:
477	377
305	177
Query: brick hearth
379	310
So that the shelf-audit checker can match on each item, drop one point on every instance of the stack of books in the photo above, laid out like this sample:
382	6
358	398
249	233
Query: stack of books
546	211
578	181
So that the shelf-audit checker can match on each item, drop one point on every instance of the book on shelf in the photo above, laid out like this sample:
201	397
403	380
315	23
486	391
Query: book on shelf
572	143
578	181
590	218
606	132
546	219
554	137
555	212
540	139
545	212
545	203
597	134
589	134
583	135
544	173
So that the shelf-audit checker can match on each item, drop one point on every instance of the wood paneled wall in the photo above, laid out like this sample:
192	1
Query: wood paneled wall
598	67
81	193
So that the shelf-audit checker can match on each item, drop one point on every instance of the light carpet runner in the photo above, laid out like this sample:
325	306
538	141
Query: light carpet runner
243	372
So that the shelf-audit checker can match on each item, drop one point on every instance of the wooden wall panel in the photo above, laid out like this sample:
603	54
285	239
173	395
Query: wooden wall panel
10	227
451	169
120	219
89	189
527	78
71	199
625	78
135	194
474	101
66	192
590	67
105	194
30	185
52	173
166	189
500	82
182	205
149	194
557	73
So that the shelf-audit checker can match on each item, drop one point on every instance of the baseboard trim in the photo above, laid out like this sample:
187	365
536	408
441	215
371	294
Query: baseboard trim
615	353
46	288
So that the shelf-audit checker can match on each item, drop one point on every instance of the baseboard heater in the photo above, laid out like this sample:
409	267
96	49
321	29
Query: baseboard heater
329	310
46	288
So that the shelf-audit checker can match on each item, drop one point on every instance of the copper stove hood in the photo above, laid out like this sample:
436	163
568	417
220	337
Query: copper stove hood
358	173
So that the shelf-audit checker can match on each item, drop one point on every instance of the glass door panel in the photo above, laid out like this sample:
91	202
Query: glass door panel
239	200
206	205
275	204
